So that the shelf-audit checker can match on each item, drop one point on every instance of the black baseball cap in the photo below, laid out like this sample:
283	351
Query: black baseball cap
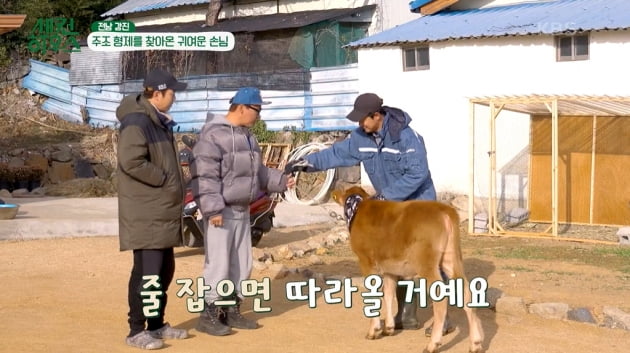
160	80
364	105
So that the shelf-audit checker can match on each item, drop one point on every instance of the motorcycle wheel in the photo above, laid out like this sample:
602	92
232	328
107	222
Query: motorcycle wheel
257	234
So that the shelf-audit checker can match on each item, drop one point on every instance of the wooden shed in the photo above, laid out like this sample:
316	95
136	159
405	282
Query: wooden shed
579	169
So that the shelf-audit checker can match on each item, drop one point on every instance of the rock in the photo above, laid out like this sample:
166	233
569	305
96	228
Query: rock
511	306
616	318
36	160
257	254
59	172
581	315
4	193
16	152
493	295
101	171
282	252
261	255
38	192
313	245
550	310
259	266
321	251
16	162
83	169
64	155
624	235
20	193
16	91
315	260
331	240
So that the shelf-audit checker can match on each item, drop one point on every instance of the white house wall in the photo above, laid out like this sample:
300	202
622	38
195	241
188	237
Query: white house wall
388	14
437	99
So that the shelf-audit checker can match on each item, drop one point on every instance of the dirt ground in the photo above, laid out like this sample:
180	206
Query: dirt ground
69	295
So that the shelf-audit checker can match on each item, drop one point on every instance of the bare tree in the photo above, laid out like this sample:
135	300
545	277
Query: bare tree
214	8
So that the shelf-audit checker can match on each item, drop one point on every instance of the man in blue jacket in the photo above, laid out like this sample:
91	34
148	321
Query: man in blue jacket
395	159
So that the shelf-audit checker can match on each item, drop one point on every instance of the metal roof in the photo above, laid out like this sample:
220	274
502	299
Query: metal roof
547	17
568	105
131	6
264	22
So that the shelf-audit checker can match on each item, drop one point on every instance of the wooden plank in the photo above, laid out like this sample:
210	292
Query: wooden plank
436	6
274	155
530	235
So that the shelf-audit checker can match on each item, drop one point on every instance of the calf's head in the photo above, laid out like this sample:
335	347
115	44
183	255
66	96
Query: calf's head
340	196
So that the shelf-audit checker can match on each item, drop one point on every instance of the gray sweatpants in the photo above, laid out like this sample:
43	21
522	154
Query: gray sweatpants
228	252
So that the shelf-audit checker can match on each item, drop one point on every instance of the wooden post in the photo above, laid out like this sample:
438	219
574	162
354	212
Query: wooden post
592	191
471	169
492	202
554	167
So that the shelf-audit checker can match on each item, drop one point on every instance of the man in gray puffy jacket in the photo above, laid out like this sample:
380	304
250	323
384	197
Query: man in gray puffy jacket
227	173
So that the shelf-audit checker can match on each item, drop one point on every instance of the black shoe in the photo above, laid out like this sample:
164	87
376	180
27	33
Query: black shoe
236	320
447	328
211	321
406	317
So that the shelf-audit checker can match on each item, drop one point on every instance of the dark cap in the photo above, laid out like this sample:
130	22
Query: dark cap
160	80
364	105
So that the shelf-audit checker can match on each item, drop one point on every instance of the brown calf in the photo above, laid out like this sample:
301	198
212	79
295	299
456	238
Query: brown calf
408	239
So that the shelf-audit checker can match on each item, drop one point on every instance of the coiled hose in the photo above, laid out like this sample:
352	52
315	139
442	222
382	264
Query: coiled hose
300	152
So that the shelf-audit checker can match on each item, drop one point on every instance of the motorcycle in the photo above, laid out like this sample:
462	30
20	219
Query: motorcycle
261	210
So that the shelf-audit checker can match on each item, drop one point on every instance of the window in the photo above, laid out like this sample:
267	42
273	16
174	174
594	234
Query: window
571	48
416	58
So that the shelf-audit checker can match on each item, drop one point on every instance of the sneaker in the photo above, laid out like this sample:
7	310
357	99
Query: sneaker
144	340
167	332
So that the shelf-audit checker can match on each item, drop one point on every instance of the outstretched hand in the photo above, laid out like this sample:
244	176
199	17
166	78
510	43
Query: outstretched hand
298	165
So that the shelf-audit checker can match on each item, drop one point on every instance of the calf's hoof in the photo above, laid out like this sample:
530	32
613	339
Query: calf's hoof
373	336
388	331
477	348
432	348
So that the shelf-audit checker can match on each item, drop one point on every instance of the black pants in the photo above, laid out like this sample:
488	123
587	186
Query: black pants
159	262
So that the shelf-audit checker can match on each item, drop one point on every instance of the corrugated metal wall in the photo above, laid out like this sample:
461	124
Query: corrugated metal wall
323	107
94	67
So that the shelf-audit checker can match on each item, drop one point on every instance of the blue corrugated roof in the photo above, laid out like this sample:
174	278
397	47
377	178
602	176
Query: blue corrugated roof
131	6
549	17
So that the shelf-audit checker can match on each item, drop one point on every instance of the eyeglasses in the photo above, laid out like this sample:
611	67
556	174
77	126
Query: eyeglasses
257	110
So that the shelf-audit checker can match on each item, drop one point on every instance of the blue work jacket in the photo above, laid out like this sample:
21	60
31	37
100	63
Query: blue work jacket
395	159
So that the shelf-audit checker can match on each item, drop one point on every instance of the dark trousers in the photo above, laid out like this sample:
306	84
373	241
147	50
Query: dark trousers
160	262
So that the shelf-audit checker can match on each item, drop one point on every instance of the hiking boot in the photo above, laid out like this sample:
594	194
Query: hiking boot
406	316
168	332
447	328
211	321
144	340
236	320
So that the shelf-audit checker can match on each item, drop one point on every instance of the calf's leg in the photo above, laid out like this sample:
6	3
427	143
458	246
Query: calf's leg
389	303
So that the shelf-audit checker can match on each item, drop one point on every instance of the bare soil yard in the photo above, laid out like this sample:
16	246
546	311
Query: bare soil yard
69	295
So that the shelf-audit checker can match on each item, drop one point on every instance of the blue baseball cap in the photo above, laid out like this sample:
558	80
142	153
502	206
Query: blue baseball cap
248	96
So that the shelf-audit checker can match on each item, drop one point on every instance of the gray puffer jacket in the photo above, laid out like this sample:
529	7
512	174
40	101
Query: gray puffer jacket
227	169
